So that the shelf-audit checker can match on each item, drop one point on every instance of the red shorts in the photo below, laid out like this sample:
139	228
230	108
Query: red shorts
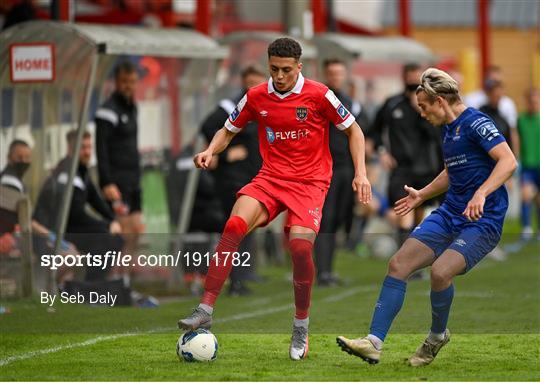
303	201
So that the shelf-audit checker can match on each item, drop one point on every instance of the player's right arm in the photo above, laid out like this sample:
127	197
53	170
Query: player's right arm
220	141
416	197
241	115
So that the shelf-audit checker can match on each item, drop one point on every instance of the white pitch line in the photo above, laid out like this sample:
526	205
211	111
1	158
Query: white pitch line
33	354
350	292
89	342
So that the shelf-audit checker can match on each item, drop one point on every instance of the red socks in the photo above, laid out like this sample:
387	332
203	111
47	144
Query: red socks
303	267
303	274
234	232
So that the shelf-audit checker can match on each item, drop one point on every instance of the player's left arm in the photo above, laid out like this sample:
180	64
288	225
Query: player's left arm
357	147
505	166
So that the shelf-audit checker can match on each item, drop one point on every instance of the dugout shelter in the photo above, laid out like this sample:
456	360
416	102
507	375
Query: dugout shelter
52	76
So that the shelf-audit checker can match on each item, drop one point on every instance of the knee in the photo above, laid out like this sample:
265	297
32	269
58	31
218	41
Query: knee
440	278
397	268
302	260
236	224
300	248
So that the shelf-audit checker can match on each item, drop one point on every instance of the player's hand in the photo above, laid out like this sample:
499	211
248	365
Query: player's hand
408	203
111	192
7	243
387	161
475	207
203	159
115	228
362	187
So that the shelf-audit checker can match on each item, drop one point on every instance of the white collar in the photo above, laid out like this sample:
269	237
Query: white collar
297	87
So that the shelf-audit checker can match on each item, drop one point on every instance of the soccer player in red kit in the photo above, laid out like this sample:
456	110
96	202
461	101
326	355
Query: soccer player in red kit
293	114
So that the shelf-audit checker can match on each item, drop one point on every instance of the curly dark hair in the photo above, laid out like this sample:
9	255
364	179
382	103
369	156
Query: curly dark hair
285	47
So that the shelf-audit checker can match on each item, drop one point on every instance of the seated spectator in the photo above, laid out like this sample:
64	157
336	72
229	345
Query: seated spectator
91	234
43	238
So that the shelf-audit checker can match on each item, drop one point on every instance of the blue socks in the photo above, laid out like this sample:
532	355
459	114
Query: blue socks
526	214
440	309
388	305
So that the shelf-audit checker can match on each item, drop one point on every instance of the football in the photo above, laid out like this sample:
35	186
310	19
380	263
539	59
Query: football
197	346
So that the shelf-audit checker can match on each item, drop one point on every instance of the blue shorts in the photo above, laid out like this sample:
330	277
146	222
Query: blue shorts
443	230
383	201
531	176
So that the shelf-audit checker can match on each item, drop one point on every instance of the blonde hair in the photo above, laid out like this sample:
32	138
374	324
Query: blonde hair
437	83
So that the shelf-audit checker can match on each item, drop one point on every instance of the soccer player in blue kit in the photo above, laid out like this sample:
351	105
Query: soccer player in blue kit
457	235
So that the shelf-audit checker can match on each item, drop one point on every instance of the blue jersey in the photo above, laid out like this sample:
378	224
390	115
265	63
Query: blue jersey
466	143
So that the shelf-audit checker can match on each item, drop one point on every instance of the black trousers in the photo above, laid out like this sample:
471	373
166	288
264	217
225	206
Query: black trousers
337	211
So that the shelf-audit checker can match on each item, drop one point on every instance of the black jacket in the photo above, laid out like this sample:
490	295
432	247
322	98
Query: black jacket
116	142
234	175
84	192
339	143
410	139
8	219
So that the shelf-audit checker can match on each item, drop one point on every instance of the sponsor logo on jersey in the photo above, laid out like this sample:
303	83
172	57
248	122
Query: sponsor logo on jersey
292	134
342	111
485	128
235	114
301	113
270	135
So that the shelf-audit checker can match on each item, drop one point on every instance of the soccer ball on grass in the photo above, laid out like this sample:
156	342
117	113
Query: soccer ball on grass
197	346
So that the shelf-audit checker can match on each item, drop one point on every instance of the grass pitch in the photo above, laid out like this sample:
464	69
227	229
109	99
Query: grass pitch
495	325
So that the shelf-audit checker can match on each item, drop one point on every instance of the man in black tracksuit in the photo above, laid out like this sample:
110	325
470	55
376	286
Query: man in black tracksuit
118	156
339	203
495	91
88	233
43	238
409	146
237	164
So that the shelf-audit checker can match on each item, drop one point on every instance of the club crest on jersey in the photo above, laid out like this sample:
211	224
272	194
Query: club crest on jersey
235	114
457	136
342	111
270	135
301	113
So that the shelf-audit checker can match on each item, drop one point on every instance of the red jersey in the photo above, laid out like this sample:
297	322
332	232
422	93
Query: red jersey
293	128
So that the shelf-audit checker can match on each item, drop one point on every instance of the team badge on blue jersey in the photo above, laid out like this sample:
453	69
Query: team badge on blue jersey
301	113
342	111
235	114
270	135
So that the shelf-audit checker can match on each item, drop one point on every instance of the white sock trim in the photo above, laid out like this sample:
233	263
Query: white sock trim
377	342
301	322
208	309
435	336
